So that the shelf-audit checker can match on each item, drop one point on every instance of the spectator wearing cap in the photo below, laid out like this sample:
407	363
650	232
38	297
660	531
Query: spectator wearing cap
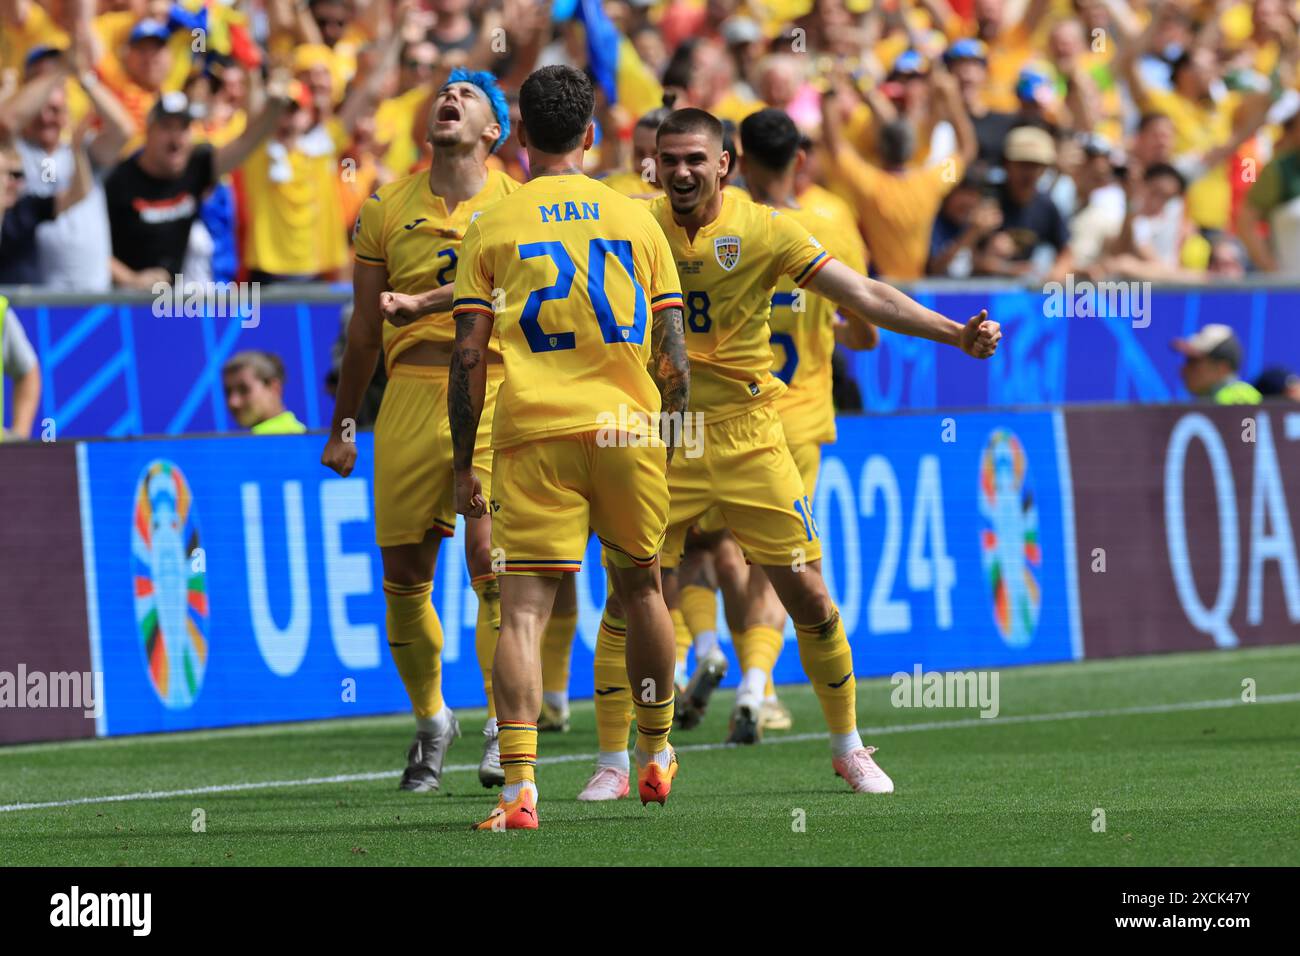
1034	239
154	194
1274	201
967	60
1277	382
140	76
74	248
17	363
746	45
896	206
253	382
1212	367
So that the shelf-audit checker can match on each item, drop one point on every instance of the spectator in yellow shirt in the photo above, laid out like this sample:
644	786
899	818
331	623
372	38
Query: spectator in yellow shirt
896	206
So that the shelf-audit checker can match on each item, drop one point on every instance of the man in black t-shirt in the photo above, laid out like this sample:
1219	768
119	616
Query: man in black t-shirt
154	195
1034	239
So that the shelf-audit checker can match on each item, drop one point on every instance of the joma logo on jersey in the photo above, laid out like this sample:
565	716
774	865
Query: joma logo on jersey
412	225
726	249
569	211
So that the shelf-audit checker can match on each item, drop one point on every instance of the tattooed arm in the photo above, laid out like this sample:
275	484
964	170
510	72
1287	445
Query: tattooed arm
466	391
888	308
669	366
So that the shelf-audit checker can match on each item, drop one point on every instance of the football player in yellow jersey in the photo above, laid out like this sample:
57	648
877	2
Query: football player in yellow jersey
730	254
579	285
804	331
408	240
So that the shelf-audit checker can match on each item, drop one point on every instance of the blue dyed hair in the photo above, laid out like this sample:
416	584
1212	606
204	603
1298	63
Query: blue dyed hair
486	82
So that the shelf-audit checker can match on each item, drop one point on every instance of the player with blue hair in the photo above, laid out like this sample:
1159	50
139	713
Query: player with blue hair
407	243
487	83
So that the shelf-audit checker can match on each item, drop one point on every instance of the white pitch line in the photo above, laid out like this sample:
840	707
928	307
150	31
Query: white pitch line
686	748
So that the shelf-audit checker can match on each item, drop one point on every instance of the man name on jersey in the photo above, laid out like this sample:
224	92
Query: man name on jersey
569	211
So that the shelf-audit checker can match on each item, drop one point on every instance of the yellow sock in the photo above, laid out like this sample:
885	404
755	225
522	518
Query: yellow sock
415	641
518	750
557	646
682	633
828	662
487	628
653	721
613	697
770	690
762	646
699	608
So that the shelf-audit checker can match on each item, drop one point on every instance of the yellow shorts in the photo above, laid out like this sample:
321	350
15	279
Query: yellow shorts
747	472
413	477
548	493
808	459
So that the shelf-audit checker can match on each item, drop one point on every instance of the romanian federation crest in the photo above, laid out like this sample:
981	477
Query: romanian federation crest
726	249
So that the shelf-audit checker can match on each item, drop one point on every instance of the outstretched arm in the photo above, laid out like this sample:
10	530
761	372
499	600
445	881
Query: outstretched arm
887	307
669	366
467	389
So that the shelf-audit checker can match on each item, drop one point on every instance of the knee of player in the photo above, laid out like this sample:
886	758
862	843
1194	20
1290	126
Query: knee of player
808	602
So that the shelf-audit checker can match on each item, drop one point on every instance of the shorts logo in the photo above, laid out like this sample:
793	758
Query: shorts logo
1012	557
495	505
726	249
753	388
170	584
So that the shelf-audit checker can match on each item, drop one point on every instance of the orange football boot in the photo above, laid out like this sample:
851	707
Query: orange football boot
654	782
520	814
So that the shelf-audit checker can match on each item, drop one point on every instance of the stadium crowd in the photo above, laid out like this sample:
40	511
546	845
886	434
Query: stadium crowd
223	139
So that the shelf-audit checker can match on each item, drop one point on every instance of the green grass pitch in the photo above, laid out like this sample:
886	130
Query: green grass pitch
1184	770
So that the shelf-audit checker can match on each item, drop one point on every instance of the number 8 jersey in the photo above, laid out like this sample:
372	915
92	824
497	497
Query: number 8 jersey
728	274
573	273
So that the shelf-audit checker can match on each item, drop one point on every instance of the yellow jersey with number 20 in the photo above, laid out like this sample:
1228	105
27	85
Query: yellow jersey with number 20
572	271
729	271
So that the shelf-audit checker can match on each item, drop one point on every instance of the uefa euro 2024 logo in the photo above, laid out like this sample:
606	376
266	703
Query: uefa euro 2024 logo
1009	546
170	580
